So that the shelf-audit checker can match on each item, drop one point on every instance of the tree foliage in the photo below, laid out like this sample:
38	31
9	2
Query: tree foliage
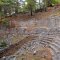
9	6
31	5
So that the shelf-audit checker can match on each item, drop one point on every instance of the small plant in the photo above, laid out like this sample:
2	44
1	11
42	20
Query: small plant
3	44
5	22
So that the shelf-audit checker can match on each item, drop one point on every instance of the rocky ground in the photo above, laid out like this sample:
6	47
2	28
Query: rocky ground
36	39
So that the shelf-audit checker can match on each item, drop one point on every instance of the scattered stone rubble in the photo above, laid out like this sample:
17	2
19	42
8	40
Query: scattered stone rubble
48	35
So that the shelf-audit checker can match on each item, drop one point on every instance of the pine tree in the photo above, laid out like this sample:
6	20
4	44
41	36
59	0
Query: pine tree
31	5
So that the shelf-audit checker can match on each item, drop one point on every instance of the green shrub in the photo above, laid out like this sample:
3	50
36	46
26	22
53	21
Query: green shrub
3	44
55	1
5	22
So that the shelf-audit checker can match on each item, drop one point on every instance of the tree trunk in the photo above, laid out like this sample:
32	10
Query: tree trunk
45	5
0	8
16	10
50	3
39	2
5	10
31	12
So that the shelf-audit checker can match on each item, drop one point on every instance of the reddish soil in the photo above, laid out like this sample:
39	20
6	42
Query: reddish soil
42	54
